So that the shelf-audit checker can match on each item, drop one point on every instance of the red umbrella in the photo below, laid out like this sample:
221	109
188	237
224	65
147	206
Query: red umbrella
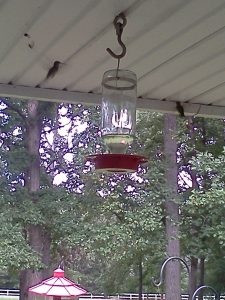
58	286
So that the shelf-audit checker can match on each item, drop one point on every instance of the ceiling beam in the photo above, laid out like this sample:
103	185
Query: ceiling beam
163	106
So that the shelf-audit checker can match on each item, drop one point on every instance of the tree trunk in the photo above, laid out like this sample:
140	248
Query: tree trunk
140	291
193	276
201	276
38	239
173	290
194	260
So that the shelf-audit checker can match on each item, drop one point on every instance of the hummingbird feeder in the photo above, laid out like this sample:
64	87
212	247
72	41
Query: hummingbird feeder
57	287
119	95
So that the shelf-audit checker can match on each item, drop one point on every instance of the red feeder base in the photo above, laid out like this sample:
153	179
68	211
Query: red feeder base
118	163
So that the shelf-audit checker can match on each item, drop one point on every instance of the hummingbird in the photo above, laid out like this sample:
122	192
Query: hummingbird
53	70
180	109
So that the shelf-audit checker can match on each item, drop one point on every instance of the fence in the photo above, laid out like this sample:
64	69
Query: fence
150	296
7	292
126	296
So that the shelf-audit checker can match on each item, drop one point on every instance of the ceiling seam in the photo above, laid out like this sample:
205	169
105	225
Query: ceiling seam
100	33
155	49
195	83
186	71
186	50
207	92
127	42
26	28
56	39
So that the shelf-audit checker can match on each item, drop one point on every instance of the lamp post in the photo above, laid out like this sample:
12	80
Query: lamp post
161	278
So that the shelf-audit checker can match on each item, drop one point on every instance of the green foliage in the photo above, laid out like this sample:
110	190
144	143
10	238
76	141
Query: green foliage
15	253
204	210
104	224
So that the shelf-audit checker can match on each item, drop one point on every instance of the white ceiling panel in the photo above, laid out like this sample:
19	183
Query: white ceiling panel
176	48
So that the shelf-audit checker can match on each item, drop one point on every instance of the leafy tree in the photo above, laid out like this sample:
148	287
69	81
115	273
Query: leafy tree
107	227
198	137
20	138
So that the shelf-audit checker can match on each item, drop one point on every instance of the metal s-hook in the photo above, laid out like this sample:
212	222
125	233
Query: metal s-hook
119	30
217	295
171	258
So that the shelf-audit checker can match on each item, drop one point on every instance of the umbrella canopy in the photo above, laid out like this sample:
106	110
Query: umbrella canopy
58	286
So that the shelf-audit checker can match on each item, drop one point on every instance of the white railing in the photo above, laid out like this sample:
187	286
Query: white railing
125	296
8	292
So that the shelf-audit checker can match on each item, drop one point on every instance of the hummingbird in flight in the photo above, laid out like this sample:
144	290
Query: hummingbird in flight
53	70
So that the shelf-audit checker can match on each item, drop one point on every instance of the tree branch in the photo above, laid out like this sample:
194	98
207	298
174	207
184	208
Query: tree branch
59	126
10	106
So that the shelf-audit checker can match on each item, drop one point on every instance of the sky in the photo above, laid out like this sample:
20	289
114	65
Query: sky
65	131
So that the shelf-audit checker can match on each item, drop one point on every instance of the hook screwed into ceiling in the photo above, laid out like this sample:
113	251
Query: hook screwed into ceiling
119	30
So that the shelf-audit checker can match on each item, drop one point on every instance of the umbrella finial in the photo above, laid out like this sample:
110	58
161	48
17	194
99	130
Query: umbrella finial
58	273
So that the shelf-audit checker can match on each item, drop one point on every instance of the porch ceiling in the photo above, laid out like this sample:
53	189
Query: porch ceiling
176	48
